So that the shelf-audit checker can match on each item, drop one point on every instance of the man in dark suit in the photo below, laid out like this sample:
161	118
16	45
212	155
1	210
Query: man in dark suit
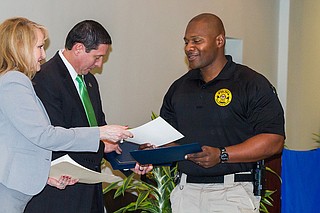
86	46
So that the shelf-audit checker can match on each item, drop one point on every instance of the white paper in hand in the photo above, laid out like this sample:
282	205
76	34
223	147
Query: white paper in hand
65	165
157	132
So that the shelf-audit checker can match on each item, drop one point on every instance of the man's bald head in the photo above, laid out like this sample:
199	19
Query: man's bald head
213	22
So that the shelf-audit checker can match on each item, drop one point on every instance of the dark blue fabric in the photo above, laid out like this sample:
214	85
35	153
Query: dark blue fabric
300	181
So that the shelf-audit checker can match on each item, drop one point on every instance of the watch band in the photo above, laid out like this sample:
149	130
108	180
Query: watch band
224	156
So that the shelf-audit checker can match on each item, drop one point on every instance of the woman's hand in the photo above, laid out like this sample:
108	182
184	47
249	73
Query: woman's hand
114	133
62	183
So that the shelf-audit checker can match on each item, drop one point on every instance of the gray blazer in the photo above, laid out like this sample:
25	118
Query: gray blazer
27	137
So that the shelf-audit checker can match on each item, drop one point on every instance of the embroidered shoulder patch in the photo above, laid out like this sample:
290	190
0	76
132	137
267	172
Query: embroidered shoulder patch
223	97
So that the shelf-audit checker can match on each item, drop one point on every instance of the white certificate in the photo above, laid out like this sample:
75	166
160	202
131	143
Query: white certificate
65	165
157	132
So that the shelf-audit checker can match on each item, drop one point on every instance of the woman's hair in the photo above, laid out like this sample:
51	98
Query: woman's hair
17	41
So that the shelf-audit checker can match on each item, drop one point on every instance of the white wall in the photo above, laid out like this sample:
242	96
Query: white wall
303	105
147	53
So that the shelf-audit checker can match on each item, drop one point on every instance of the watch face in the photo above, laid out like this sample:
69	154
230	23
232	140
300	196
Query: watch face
224	156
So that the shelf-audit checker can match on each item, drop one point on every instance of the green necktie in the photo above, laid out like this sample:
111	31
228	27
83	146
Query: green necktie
86	101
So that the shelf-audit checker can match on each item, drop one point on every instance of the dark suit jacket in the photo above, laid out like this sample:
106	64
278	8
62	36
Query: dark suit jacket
54	86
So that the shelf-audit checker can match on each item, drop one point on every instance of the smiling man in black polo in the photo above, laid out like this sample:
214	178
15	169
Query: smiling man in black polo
233	112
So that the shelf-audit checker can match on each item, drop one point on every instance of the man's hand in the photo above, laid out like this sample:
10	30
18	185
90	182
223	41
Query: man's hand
209	157
146	146
253	149
110	146
142	169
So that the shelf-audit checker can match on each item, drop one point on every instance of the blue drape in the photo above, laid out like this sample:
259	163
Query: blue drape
300	181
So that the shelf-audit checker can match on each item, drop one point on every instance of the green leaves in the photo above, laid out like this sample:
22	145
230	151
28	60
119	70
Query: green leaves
151	197
266	199
154	115
273	172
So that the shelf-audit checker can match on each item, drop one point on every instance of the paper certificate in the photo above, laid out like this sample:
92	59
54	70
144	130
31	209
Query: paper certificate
65	165
157	132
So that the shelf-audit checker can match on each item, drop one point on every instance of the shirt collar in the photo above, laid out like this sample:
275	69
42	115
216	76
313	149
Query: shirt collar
226	72
70	68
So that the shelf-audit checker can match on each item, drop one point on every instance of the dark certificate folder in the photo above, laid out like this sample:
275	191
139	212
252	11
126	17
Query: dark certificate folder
123	160
162	156
165	155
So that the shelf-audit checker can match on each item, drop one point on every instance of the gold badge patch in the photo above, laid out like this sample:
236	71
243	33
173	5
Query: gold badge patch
223	97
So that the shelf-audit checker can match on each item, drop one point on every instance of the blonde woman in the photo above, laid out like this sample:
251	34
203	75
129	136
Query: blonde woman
27	138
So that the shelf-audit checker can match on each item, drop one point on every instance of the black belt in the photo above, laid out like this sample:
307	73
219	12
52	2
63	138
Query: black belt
220	179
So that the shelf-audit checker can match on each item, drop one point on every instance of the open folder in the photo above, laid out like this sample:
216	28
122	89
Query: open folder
124	160
162	156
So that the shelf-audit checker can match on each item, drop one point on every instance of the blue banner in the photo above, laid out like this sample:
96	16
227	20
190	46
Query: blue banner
300	181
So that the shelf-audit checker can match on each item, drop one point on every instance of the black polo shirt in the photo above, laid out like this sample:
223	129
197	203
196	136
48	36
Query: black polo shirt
238	104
